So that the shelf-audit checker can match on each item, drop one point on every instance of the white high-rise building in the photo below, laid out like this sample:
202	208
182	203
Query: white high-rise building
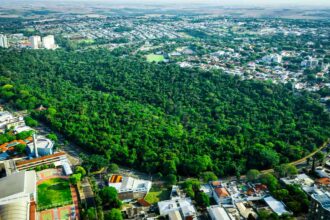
48	42
35	42
3	41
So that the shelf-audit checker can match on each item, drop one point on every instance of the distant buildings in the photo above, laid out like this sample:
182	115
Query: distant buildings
47	42
310	62
35	42
18	195
129	188
320	206
3	41
273	58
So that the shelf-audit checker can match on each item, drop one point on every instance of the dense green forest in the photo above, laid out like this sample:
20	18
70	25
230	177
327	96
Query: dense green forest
161	118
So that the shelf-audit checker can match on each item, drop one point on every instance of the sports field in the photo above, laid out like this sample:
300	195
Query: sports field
155	58
53	193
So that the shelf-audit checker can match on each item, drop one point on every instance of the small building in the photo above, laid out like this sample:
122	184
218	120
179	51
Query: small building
276	206
183	205
246	212
217	213
129	188
319	208
300	179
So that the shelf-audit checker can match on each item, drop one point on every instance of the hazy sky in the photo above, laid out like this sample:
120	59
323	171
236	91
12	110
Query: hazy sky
316	3
227	2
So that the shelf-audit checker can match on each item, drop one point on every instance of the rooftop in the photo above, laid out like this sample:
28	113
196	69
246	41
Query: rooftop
275	205
323	198
17	186
218	212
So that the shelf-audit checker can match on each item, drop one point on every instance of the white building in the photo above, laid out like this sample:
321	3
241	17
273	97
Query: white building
273	58
3	41
129	188
217	212
276	206
5	118
17	196
183	205
35	42
48	42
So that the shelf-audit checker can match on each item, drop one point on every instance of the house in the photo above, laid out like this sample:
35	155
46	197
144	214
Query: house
220	193
129	188
276	206
246	212
182	205
217	212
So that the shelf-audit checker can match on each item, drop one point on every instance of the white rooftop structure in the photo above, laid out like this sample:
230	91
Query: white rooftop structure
5	117
128	184
323	198
17	191
300	179
22	128
276	205
48	42
217	212
175	215
183	205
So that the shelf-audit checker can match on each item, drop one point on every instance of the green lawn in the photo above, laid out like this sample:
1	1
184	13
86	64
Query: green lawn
157	194
65	214
86	41
53	193
155	58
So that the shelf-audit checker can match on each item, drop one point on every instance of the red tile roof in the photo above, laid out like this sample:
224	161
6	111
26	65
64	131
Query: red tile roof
20	163
221	192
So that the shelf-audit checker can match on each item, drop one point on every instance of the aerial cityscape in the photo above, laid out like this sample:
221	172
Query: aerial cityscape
164	110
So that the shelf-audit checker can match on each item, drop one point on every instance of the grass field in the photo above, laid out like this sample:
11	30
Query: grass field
47	216
155	58
86	41
53	193
157	194
65	214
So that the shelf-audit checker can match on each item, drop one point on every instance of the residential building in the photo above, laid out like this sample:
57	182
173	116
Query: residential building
3	41
319	208
129	188
183	205
35	42
48	42
220	193
18	195
276	206
217	212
